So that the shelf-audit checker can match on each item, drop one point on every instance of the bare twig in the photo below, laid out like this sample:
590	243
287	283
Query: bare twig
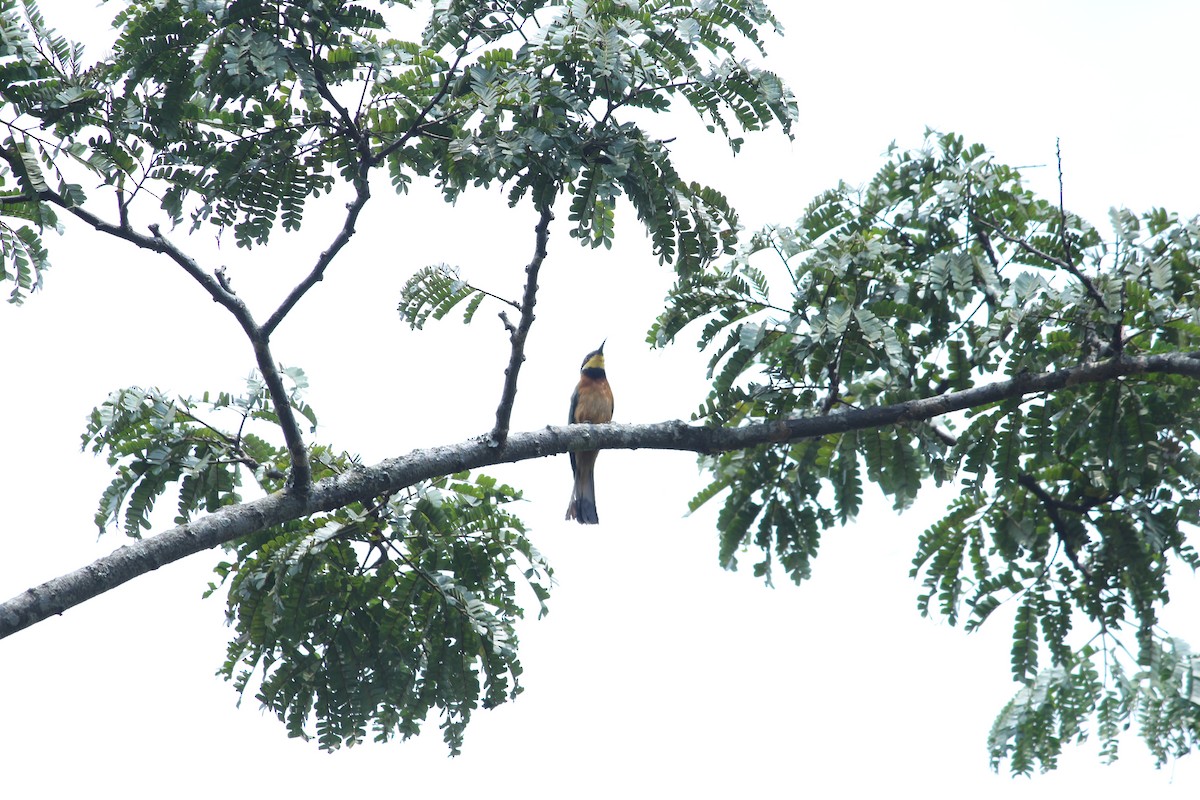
518	334
223	279
1062	209
486	293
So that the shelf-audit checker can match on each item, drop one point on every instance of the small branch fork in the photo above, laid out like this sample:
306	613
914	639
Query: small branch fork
518	334
1088	283
218	286
1070	542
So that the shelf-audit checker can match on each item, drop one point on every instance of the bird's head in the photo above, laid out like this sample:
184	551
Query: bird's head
594	359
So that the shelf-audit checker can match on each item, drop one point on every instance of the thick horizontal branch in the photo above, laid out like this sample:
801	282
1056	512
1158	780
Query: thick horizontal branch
391	475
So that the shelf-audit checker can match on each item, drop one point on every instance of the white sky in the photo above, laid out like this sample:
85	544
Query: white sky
656	672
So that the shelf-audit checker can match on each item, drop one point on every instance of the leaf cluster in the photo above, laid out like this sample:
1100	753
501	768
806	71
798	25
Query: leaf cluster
41	73
156	442
433	292
374	615
369	616
943	273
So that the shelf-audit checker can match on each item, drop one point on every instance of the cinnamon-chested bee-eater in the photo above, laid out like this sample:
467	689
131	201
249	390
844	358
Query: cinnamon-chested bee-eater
592	401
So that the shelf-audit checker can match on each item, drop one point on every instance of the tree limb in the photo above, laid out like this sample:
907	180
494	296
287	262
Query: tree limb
301	474
393	474
362	194
300	478
518	334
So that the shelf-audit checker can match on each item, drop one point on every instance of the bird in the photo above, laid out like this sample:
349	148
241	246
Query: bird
592	401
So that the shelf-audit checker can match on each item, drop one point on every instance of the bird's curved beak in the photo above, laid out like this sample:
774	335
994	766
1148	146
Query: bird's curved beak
601	350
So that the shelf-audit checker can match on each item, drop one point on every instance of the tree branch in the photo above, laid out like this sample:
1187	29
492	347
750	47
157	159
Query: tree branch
301	473
216	286
155	243
518	334
1087	282
1069	541
420	120
392	475
362	194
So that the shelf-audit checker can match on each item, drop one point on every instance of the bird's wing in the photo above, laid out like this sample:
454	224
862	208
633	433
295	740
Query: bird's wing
571	421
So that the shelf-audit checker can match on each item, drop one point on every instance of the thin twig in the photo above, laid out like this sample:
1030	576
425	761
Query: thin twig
518	335
419	120
1092	291
234	443
1062	209
486	293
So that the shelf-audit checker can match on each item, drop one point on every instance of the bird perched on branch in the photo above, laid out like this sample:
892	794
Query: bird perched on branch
592	401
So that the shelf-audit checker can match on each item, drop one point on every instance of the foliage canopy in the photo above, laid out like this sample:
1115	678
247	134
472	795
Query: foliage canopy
942	280
940	275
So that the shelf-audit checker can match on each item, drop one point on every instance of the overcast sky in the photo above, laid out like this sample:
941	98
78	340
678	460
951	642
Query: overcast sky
656	672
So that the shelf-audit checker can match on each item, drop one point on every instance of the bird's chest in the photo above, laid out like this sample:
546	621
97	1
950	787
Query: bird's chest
593	401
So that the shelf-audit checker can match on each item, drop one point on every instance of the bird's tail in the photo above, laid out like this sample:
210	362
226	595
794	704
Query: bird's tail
582	508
